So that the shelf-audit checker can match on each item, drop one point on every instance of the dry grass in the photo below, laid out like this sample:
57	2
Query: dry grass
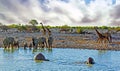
69	41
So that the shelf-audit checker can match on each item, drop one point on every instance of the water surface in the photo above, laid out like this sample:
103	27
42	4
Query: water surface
60	60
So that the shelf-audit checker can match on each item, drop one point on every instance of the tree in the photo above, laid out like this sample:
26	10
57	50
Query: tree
33	22
1	24
65	26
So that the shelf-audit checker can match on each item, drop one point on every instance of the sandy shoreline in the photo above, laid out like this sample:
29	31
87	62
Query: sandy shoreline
61	40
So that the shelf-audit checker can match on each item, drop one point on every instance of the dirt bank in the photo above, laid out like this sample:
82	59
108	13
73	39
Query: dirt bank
84	41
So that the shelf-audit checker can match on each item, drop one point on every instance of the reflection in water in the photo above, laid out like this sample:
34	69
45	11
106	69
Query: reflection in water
49	49
9	50
42	50
38	61
26	50
38	50
104	56
89	65
60	60
81	63
102	51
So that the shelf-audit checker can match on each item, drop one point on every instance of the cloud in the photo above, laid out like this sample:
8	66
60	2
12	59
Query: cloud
116	12
60	12
115	15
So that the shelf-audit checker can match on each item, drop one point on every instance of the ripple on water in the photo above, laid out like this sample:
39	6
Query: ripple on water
60	60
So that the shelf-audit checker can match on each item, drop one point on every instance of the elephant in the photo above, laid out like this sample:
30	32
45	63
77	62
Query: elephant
42	42
16	44
90	61
35	42
9	42
40	56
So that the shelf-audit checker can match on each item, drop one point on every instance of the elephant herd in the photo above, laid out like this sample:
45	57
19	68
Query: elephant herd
41	42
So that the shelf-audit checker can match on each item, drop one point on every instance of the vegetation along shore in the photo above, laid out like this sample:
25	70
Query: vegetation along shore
105	38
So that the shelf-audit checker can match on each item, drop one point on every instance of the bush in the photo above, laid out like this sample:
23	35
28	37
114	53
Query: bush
104	27
79	30
65	26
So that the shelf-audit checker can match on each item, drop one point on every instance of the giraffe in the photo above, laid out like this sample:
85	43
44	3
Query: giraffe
43	38
49	38
49	31
108	36
44	30
102	38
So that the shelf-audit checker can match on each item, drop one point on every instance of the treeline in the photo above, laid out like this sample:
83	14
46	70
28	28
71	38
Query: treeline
33	25
19	26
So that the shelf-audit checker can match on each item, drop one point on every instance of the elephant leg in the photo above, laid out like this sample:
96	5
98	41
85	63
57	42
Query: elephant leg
12	46
51	46
35	47
5	46
8	46
48	45
45	44
18	46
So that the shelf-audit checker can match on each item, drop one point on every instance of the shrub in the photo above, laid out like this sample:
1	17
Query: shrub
79	30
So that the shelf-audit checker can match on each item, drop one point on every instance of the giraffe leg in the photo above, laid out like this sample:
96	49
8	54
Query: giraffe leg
100	42
106	41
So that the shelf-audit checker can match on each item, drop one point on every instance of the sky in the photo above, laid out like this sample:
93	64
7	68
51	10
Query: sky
61	12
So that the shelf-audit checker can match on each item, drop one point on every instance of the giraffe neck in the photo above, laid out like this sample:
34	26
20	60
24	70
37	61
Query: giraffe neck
44	30
48	29
99	34
49	32
43	27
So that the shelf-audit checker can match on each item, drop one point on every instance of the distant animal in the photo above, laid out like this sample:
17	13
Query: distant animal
16	44
50	42
44	30
35	42
90	61
46	39
40	56
106	37
9	42
42	42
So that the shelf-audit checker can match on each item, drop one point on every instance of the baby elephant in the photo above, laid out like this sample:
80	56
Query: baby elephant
40	56
90	61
